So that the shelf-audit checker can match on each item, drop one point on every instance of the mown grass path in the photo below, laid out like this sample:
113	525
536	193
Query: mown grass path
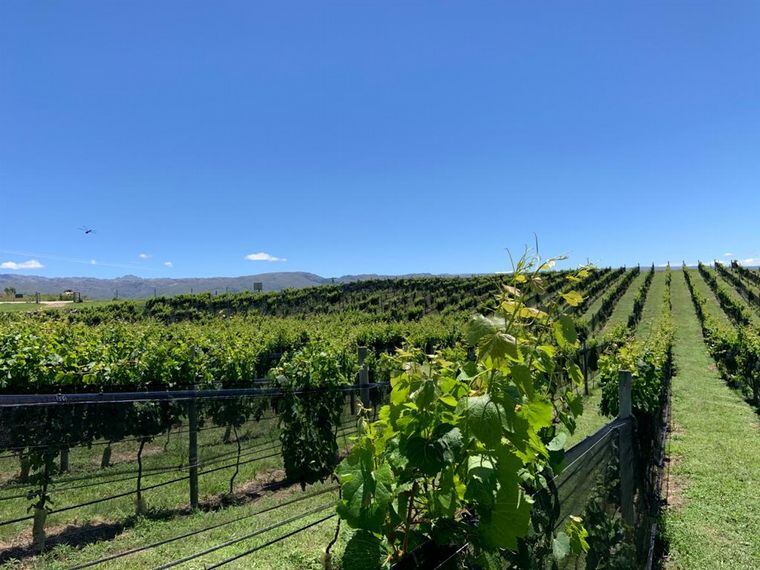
652	306
713	516
624	305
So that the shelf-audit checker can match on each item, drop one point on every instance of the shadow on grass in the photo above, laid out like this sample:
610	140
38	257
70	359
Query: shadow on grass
78	536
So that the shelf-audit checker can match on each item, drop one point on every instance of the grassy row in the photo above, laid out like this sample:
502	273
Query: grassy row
736	350
624	307
652	308
713	515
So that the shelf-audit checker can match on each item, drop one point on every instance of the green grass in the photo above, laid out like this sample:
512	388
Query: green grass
701	287
624	306
591	420
301	551
597	303
713	517
169	515
15	307
652	306
752	310
28	306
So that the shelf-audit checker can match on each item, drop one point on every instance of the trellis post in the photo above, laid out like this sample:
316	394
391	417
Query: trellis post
584	360
363	377
625	446
192	418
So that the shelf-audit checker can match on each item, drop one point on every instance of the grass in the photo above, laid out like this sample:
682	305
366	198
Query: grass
752	310
14	307
597	303
169	514
713	307
297	552
591	420
29	306
624	306
652	306
713	516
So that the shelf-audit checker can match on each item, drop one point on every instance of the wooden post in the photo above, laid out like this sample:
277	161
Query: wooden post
192	418
105	460
584	360
625	448
363	377
38	529
64	460
624	394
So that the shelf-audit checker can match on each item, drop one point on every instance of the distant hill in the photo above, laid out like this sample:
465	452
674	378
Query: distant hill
133	287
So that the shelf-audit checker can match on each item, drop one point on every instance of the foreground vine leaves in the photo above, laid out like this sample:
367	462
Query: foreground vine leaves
464	447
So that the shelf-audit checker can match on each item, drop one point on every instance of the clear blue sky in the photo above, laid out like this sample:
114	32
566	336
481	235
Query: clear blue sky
374	137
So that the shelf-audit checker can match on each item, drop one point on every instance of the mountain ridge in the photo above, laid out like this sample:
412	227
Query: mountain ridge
134	287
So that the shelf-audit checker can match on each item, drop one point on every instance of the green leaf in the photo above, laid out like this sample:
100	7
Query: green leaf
367	492
572	298
484	418
558	442
488	336
481	480
508	520
564	332
575	403
578	535
449	400
522	378
539	413
575	373
364	551
399	390
450	440
423	455
561	546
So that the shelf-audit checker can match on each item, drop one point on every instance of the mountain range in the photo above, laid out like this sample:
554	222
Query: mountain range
134	287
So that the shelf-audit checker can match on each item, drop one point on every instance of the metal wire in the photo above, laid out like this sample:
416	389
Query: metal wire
252	535
16	400
342	432
202	530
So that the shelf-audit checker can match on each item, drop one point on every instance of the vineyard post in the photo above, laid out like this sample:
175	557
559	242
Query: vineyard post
64	460
625	446
585	368
192	419
363	377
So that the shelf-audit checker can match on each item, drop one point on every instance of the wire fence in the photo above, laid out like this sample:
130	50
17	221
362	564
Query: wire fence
160	449
88	454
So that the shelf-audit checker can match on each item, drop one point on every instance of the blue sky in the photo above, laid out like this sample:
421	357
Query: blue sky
374	137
